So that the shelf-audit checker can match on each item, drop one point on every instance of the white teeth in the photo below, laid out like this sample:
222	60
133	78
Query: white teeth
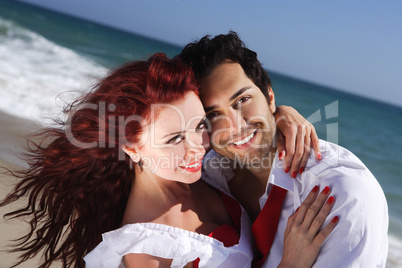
243	141
194	165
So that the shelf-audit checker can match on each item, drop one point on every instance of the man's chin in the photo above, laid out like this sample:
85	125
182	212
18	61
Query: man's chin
239	157
246	159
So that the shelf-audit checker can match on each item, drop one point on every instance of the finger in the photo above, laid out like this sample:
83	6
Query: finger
298	152
290	223
290	147
322	215
306	204
316	144
280	144
315	208
307	151
325	232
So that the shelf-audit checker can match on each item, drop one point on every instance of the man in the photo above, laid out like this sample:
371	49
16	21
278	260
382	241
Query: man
239	101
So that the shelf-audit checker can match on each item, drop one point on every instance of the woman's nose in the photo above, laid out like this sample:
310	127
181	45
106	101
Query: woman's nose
195	142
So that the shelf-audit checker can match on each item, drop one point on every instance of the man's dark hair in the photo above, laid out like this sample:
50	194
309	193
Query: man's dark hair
206	54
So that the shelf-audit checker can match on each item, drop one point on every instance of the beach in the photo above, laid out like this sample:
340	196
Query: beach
11	229
12	131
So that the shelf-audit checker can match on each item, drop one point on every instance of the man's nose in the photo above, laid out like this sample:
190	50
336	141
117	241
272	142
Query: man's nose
236	121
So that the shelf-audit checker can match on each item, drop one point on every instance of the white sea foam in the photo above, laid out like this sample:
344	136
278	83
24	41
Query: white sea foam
35	71
395	252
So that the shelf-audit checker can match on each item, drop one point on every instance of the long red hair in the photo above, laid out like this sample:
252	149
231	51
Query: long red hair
78	181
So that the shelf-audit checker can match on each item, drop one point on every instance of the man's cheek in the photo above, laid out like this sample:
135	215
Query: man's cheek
219	137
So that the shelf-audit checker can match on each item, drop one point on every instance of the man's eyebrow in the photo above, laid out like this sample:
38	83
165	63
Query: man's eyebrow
239	92
210	108
234	96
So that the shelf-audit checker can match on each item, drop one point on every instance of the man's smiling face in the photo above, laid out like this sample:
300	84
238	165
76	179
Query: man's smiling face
242	122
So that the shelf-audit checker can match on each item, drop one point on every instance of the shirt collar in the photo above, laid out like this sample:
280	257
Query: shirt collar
278	176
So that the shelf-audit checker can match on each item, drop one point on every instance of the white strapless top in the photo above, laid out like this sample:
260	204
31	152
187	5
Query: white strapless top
169	242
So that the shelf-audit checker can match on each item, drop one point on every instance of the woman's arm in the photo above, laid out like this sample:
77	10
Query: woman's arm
295	138
144	260
134	260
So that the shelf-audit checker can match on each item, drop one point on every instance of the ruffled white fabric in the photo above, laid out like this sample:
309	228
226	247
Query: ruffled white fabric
169	242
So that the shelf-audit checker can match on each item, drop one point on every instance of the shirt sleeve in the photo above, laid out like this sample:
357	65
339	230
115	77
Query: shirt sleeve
360	239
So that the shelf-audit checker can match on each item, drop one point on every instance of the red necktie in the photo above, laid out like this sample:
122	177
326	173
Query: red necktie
265	226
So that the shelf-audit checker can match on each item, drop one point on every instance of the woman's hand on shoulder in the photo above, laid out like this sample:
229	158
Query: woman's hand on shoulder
295	138
303	235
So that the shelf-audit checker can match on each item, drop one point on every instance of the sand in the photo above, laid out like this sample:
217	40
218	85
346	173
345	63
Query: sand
12	132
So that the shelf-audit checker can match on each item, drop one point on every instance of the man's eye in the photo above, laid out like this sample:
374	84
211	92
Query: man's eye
176	139
242	100
211	115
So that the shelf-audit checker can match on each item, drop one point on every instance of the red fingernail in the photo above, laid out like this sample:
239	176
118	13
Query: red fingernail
297	209
330	200
287	169
319	156
294	174
335	219
326	190
280	155
315	189
301	170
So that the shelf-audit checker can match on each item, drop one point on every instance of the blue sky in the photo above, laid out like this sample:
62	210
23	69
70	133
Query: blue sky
355	46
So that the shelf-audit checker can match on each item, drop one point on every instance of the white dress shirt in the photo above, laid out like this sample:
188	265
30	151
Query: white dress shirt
360	238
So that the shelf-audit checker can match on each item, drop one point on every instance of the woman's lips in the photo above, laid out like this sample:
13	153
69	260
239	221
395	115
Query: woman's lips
193	167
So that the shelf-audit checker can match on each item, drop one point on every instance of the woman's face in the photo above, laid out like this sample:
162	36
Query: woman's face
172	146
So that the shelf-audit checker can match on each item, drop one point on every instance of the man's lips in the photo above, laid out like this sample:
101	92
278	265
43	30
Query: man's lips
245	140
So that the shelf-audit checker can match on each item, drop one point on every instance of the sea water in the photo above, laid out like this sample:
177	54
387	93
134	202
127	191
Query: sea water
47	59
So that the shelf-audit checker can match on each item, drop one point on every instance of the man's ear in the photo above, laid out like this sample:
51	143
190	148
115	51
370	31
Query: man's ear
271	98
132	152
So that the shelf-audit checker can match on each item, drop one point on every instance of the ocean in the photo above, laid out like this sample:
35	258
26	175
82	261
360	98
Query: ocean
47	59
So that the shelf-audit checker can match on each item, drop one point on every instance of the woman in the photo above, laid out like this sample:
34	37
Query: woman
127	165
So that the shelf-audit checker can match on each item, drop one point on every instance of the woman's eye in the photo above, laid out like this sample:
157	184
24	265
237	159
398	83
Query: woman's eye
176	139
202	125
